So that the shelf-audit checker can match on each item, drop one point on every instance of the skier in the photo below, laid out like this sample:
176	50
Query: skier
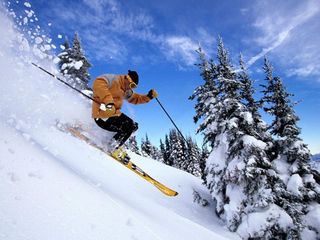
110	90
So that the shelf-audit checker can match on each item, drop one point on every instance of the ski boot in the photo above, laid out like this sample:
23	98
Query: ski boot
120	155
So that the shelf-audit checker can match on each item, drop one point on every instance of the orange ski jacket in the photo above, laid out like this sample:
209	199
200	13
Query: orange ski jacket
113	89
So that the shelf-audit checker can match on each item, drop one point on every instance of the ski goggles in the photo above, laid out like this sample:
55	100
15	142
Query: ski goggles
132	84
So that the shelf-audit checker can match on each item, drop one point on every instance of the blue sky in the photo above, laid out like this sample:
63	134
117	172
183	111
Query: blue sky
158	39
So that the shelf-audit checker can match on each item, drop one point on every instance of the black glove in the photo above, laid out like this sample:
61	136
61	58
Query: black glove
152	94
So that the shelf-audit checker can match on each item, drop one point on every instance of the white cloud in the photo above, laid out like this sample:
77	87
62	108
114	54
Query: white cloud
107	48
182	48
100	6
291	34
280	38
106	29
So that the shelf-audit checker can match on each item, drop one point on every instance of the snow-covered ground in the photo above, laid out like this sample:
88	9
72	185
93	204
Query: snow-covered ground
55	186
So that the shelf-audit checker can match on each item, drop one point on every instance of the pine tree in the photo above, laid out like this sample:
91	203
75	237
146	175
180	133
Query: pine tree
65	58
246	95
205	96
79	71
276	102
192	158
149	150
239	174
247	91
146	147
166	154
177	156
132	145
74	65
156	154
163	152
298	191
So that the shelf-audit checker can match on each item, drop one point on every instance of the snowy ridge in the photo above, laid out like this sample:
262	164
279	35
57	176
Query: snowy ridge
316	157
55	186
315	163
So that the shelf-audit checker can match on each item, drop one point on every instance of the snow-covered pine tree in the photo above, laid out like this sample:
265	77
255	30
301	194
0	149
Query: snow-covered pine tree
163	152
205	96
65	58
166	152
79	71
246	94
247	98
132	145
177	156
275	98
146	147
157	154
192	158
238	168
74	65
149	150
298	193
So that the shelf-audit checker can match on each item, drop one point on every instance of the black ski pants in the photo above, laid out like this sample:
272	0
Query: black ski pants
122	125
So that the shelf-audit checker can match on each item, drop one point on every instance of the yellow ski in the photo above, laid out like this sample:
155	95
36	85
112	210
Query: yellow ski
76	132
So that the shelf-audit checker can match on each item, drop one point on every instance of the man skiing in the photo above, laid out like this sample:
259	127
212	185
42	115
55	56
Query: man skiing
110	90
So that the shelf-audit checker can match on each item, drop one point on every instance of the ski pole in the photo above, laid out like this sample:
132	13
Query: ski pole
59	79
171	120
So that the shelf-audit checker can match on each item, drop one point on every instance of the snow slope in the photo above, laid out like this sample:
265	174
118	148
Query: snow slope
55	186
52	190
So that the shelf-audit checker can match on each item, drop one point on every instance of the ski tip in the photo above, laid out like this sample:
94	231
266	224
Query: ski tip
170	193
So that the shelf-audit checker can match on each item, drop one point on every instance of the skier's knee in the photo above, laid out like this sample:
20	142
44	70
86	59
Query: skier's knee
135	127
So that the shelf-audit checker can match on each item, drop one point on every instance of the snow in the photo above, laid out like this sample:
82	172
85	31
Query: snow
253	224
38	40
24	45
78	65
47	47
247	117
250	140
295	182
29	13
55	186
236	196
312	219
27	4
74	194
282	169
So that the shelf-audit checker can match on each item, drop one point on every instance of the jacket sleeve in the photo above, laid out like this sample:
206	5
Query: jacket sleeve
101	91
138	98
